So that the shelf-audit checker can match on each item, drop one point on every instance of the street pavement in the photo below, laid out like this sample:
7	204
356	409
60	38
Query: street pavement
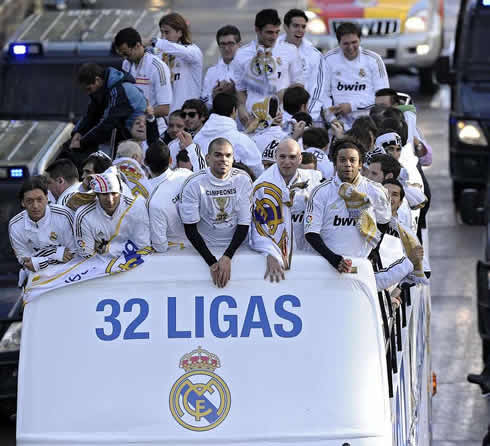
460	414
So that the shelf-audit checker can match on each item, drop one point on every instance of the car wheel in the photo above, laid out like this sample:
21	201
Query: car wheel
428	84
470	207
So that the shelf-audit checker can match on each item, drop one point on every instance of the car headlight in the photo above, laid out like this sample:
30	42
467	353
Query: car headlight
11	339
470	132
315	24
418	23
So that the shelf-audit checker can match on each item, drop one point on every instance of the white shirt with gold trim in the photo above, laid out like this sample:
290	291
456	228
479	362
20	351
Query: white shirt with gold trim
98	232
216	205
152	77
326	214
43	241
166	228
263	72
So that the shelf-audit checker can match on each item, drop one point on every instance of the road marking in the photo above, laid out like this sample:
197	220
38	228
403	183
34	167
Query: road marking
22	141
33	22
44	35
241	4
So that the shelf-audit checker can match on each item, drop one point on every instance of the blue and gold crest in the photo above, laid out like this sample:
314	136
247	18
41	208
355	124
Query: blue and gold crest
200	400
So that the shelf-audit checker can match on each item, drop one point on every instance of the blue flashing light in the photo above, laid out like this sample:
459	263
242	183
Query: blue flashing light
16	173
19	49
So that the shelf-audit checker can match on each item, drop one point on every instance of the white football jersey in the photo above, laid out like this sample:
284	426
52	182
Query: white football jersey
98	232
269	138
353	81
217	206
166	228
67	193
263	72
312	64
220	72
195	155
326	214
324	165
152	77
185	63
43	241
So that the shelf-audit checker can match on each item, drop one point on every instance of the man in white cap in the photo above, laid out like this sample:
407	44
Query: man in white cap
112	220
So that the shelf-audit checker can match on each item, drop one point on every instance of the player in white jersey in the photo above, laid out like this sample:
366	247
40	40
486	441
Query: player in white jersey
107	224
42	234
166	228
182	57
222	123
279	200
215	209
62	176
219	77
295	22
316	141
151	74
343	213
352	75
263	67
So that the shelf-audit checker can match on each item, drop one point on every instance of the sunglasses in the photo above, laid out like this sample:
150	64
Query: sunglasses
190	114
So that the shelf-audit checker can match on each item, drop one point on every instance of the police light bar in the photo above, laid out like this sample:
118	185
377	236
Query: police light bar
25	49
13	173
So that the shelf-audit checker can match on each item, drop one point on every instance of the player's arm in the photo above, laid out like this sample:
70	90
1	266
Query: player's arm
158	227
140	228
84	239
189	53
162	89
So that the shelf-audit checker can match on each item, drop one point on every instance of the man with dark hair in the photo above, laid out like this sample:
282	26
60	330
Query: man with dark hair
341	213
97	162
382	167
219	77
295	100
315	142
195	114
176	124
352	75
166	228
42	234
215	209
264	68
115	102
151	74
62	176
222	123
308	161
295	22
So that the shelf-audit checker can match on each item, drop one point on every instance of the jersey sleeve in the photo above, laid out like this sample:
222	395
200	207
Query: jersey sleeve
245	202
158	227
160	79
141	229
189	53
378	70
84	238
296	74
314	78
313	220
238	71
381	203
190	203
207	87
196	157
18	244
388	277
326	93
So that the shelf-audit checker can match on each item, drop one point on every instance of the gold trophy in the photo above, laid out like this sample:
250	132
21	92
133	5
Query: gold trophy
221	203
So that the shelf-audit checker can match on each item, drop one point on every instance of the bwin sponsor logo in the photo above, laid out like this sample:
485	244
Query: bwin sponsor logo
344	221
351	87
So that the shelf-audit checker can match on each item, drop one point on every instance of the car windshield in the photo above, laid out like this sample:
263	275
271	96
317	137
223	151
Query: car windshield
477	60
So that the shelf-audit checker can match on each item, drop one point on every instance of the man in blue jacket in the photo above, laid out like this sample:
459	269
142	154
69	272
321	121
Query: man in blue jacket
115	103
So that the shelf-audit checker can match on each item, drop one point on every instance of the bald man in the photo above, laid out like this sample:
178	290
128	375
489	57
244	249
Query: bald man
279	200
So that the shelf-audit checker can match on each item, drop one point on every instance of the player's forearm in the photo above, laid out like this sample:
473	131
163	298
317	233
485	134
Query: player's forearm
238	237
161	111
199	244
319	246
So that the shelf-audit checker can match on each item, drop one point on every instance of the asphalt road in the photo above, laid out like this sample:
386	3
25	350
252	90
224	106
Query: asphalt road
460	415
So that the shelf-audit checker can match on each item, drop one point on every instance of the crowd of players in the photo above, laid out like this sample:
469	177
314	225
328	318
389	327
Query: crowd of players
278	147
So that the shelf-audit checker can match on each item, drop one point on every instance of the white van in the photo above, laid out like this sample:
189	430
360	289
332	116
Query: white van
160	356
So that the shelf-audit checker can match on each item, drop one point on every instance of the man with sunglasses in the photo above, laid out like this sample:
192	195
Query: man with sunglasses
219	77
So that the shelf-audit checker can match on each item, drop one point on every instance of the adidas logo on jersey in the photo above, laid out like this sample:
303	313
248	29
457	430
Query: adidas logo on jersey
351	87
344	221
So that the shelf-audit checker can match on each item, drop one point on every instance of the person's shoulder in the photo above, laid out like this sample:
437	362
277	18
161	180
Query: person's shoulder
332	54
240	176
195	178
60	211
323	190
245	52
312	51
373	58
86	209
370	54
374	186
17	219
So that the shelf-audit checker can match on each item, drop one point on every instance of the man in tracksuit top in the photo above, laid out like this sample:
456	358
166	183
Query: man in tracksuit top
115	103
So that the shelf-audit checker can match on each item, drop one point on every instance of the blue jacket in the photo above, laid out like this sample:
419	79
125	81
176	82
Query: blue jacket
115	105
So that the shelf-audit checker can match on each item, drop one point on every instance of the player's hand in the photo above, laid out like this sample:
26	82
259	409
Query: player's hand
75	141
277	119
185	139
396	299
337	128
27	263
274	270
345	266
224	271
214	270
298	130
67	255
341	109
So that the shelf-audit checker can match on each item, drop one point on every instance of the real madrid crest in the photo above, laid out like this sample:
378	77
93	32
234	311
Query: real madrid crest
53	236
362	73
200	400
